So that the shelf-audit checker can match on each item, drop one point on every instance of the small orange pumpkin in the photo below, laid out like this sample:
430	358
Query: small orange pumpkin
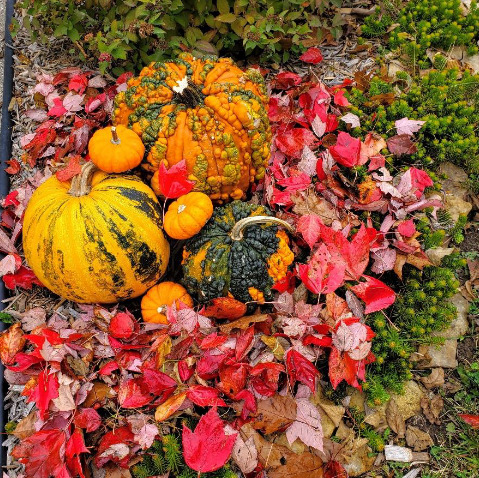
187	215
116	149
159	297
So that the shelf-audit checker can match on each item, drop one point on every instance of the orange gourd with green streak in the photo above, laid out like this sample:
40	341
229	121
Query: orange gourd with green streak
187	215
116	149
155	302
206	111
97	238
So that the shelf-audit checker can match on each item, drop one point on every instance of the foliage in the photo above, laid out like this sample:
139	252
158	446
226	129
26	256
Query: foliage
167	456
133	33
446	100
421	26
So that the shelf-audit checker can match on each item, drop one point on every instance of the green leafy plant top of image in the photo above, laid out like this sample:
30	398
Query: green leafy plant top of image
127	34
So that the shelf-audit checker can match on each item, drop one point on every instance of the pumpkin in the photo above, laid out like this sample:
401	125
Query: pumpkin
159	297
116	149
187	215
96	238
240	252
205	111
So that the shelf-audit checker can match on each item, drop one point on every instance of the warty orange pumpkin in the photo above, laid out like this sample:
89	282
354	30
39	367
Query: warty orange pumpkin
97	238
206	111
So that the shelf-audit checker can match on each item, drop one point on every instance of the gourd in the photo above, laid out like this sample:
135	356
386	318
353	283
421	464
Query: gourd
240	252
96	238
187	215
116	149
155	302
205	111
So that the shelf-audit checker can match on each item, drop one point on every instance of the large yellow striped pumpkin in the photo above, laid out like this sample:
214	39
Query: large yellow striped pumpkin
96	239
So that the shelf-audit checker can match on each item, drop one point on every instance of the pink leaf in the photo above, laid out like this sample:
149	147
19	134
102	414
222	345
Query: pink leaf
307	426
401	144
407	126
347	150
351	119
310	228
58	110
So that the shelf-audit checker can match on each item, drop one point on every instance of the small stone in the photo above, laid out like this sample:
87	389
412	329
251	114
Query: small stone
456	206
460	325
398	453
441	356
456	182
435	255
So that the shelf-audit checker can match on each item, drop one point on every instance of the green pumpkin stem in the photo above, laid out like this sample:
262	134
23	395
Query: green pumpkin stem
237	232
115	139
81	184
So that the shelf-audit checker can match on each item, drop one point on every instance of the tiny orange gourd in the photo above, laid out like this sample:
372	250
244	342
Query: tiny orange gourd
116	149
155	302
187	215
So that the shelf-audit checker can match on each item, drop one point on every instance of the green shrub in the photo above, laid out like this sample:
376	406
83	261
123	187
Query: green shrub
132	33
446	100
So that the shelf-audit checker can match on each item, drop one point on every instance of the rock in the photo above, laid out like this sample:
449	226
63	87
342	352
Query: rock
456	182
460	325
409	403
472	62
360	462
398	453
456	206
435	255
439	356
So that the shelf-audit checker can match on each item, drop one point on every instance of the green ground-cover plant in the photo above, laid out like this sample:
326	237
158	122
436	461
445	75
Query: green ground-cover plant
422	25
131	33
448	102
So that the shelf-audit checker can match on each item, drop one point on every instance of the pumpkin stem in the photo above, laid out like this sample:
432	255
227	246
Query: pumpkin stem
237	232
188	93
115	139
181	208
81	184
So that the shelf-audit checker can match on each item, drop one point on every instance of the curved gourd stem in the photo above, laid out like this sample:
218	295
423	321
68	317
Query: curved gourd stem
81	184
237	232
115	139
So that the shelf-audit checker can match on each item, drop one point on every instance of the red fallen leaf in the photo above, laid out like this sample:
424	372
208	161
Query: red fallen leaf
174	182
334	469
24	362
244	342
13	167
184	371
297	181
233	378
42	454
225	308
407	228
205	396
124	77
57	110
286	80
347	151
208	448
340	99
340	368
122	326
119	436
78	83
75	446
309	227
375	294
88	419
401	144
44	392
312	55
213	341
208	365
292	141
249	405
264	378
11	199
44	137
72	168
472	420
159	384
287	284
109	368
300	369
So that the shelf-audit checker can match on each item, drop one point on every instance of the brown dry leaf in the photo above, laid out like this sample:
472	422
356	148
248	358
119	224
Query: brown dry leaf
113	471
417	439
394	418
11	342
435	379
280	462
310	203
334	412
419	260
401	259
275	413
381	99
26	426
362	79
432	408
170	406
365	190
244	322
473	267
98	393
